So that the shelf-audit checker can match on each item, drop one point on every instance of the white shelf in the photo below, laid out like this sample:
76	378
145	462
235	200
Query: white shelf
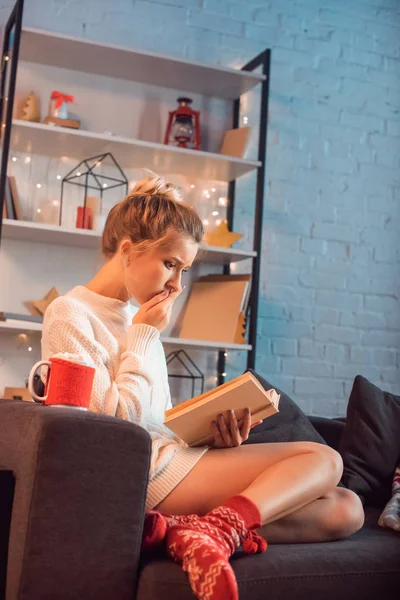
204	345
50	234
145	67
50	140
14	325
84	238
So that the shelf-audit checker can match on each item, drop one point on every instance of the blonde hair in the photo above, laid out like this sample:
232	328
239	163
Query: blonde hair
147	215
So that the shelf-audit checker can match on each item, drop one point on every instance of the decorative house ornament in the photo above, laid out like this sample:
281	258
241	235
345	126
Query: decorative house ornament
183	128
31	109
192	371
88	176
58	111
221	236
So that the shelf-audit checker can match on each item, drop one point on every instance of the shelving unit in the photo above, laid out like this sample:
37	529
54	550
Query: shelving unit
46	48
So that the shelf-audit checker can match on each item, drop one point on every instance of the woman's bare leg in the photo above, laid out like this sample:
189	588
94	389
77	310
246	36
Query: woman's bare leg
335	516
279	478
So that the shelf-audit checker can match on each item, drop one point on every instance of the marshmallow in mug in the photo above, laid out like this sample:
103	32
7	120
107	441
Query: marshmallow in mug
76	358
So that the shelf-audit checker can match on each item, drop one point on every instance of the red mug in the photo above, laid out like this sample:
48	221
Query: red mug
69	382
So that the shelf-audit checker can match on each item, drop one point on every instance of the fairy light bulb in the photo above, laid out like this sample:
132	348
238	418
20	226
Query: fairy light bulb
213	189
206	222
218	222
192	186
38	185
225	354
245	120
30	349
14	159
58	176
215	213
222	201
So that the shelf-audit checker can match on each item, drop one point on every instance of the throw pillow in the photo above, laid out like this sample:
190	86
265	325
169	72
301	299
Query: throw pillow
289	425
370	445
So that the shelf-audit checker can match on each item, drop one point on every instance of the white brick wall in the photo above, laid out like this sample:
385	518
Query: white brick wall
330	273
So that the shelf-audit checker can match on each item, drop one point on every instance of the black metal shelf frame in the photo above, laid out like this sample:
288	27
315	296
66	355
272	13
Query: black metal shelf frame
263	60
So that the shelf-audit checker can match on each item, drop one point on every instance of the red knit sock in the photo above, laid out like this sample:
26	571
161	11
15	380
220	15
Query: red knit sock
203	545
205	561
156	524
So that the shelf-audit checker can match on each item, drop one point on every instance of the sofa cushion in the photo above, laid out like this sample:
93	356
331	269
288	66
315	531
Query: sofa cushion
370	444
289	425
364	566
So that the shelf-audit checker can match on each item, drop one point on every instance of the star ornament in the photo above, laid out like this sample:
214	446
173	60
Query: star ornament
221	236
42	304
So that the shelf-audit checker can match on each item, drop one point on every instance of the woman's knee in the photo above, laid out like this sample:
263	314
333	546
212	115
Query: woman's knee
331	461
346	515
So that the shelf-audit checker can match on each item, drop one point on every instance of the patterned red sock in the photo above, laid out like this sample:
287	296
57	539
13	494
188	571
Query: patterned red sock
203	545
205	561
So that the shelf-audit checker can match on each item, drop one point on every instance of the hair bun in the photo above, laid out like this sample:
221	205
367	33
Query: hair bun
157	186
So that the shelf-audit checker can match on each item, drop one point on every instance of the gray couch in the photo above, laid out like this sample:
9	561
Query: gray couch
72	491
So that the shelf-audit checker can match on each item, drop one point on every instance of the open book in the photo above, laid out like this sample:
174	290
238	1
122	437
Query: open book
191	420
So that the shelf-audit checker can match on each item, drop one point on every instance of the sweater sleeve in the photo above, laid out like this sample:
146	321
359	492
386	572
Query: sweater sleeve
123	389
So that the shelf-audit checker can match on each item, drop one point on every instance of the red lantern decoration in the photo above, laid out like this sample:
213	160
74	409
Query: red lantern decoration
183	127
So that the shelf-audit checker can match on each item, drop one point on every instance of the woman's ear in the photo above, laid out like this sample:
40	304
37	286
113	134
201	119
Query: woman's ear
125	250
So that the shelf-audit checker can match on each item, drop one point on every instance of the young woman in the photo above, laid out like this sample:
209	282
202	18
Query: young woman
221	492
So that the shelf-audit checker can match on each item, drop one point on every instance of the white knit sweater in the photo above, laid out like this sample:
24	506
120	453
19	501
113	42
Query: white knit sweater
131	380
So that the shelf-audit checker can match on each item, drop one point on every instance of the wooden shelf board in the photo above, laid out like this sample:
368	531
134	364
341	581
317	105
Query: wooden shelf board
84	238
16	325
77	144
135	65
22	326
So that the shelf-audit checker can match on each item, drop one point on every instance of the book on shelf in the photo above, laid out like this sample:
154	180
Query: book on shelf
216	309
238	277
235	141
8	316
15	198
12	205
9	200
191	420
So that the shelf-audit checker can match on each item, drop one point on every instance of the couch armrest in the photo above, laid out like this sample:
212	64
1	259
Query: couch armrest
330	429
78	504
